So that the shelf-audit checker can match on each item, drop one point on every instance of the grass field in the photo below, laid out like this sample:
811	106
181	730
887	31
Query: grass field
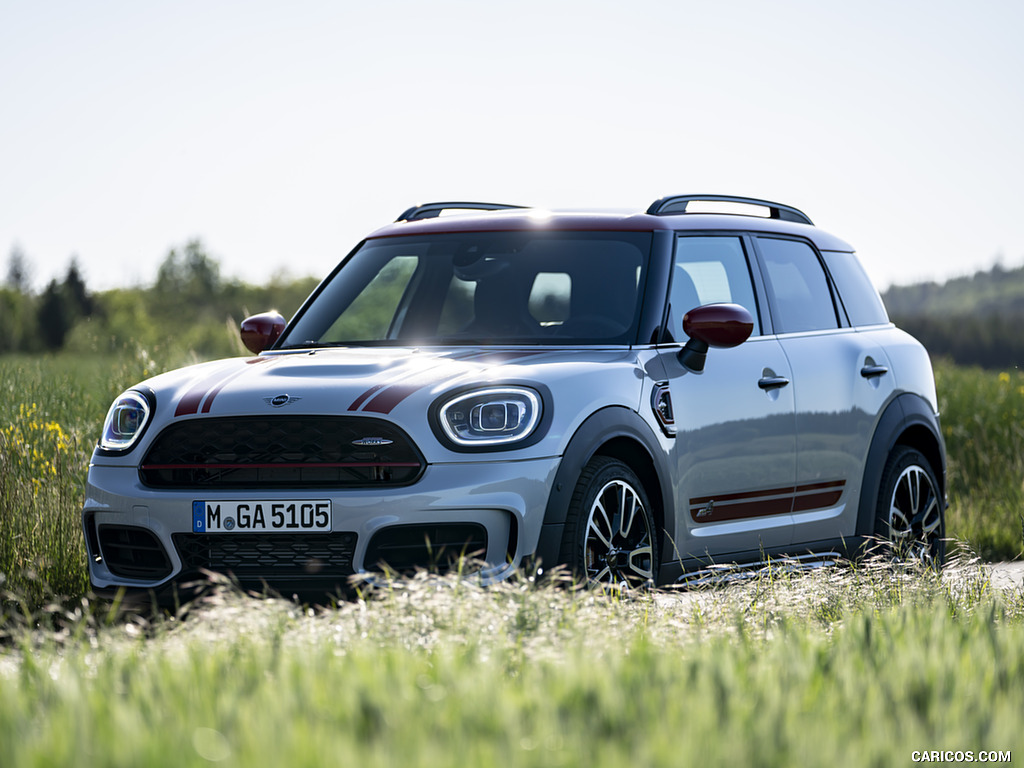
51	411
983	422
841	667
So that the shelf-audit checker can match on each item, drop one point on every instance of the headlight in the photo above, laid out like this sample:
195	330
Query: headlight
491	417
125	422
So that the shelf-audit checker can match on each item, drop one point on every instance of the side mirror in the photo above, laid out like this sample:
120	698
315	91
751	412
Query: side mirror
261	331
713	325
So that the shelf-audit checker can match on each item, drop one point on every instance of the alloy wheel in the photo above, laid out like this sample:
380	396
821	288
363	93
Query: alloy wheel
618	547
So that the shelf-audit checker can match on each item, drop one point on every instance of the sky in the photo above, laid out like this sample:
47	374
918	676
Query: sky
280	134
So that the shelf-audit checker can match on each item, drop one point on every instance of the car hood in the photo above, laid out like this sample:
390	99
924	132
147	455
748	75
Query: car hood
398	384
328	381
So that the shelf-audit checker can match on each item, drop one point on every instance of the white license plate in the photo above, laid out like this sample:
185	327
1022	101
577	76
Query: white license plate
261	516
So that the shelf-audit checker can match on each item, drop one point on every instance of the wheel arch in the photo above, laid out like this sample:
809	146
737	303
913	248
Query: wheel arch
619	433
907	420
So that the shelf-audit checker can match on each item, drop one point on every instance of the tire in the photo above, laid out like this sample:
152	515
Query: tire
910	516
609	536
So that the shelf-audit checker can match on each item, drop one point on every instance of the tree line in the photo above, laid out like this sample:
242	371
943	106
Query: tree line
190	307
974	320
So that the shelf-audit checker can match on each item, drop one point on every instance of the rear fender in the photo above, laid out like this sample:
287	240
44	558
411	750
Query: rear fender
910	420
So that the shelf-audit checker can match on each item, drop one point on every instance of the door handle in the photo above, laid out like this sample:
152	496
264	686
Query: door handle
871	371
772	382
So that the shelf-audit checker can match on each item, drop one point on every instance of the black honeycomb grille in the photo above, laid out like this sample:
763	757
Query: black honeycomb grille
284	452
268	556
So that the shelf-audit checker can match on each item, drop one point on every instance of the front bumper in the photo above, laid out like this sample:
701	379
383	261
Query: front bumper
141	539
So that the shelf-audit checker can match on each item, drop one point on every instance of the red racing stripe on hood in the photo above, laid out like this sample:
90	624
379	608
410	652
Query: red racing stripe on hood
391	396
189	402
212	385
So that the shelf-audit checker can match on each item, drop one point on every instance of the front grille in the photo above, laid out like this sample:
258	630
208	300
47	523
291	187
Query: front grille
268	556
133	553
282	452
433	547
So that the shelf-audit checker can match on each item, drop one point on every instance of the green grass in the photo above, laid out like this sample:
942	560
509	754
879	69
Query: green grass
843	667
983	420
51	412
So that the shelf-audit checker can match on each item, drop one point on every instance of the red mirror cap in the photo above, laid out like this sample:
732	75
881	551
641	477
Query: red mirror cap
719	325
261	331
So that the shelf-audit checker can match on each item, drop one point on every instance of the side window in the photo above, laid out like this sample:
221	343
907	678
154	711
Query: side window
372	313
798	287
709	270
861	300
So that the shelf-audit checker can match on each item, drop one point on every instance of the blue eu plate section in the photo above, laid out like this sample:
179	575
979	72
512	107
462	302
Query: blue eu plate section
198	517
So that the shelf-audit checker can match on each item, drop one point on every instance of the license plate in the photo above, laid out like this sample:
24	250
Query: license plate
261	516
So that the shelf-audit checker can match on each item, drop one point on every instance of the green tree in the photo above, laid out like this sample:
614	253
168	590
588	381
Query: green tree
18	322
76	292
53	316
19	271
190	274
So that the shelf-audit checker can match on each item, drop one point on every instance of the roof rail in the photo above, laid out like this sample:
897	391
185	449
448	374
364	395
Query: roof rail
432	210
677	204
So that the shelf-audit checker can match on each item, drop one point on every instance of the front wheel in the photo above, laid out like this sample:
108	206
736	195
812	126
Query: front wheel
609	536
910	513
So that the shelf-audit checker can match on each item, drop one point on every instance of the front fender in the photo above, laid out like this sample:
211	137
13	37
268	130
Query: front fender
615	431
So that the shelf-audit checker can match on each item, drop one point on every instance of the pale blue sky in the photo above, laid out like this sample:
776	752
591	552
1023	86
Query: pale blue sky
281	133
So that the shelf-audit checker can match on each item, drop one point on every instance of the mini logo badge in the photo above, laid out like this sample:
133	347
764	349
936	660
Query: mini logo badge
280	400
365	442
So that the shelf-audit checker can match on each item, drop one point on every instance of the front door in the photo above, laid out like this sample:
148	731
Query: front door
734	454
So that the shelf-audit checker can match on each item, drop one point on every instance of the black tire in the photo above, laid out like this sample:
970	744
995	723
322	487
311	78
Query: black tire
609	536
910	515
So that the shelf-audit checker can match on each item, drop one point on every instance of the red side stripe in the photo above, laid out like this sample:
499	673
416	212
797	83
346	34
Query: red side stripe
764	503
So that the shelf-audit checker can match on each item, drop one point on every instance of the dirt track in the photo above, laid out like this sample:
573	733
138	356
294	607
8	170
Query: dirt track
1007	575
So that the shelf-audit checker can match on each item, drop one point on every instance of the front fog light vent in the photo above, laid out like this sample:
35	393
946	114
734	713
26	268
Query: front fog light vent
491	417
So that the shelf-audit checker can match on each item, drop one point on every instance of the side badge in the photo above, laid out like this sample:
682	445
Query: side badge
280	401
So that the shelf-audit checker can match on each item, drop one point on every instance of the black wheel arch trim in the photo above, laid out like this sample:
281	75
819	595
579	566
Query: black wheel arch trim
598	430
906	413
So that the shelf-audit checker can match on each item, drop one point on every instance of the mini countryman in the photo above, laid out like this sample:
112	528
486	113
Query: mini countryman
632	395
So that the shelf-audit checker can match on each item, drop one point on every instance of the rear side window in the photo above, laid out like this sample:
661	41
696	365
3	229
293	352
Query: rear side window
860	299
798	286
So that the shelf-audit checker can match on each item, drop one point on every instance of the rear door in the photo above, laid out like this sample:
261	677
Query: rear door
841	382
734	454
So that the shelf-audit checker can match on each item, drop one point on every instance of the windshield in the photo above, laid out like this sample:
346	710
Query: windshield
481	288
